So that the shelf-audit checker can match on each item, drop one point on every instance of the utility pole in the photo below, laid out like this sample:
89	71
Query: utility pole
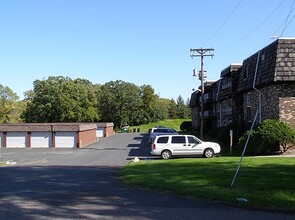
202	53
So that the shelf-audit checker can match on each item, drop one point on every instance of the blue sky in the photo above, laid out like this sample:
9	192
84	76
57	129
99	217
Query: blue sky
138	41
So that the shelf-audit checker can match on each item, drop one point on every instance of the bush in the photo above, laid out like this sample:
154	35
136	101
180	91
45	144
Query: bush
186	126
269	137
221	135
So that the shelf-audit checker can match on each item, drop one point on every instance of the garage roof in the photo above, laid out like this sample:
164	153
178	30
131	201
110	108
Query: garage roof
48	127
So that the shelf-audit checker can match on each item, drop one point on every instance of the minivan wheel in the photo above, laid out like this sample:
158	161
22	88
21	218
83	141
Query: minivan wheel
208	153
166	154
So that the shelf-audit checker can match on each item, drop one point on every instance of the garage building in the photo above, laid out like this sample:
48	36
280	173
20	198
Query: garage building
104	129
46	135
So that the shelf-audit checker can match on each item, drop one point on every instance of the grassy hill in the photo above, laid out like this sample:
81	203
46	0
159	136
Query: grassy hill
171	123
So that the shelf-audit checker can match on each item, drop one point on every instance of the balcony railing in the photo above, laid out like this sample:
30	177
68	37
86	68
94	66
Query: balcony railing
227	111
208	97
227	85
207	114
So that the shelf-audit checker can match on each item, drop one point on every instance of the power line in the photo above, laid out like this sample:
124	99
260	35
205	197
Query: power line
226	20
256	28
286	20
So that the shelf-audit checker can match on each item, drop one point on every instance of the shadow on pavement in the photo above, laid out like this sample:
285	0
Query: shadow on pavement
141	149
75	193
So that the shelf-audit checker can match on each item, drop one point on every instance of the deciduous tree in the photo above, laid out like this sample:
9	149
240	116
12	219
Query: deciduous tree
61	99
8	105
121	103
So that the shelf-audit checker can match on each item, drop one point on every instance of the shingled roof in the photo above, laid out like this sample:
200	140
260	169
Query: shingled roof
274	63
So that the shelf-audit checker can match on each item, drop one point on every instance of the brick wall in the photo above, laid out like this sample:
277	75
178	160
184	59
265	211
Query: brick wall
269	104
238	103
195	117
109	131
287	103
287	110
277	102
86	137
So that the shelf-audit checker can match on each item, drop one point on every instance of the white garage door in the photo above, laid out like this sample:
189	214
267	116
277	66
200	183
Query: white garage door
66	139
100	132
41	139
16	139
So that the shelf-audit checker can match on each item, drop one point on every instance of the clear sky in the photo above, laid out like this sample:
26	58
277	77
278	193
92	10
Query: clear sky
138	41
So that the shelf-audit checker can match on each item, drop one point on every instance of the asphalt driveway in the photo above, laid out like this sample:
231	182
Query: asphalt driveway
82	184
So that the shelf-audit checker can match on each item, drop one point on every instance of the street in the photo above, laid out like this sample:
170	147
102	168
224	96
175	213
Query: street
83	184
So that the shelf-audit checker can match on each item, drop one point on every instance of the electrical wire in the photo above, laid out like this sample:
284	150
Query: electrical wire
226	20
286	20
256	28
291	20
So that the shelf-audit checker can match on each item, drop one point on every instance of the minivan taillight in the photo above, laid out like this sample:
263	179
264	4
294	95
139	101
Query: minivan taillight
154	146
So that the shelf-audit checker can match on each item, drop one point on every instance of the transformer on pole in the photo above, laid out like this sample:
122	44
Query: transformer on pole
202	53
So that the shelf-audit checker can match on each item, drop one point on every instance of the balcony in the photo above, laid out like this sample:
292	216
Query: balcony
226	86
207	114
227	111
208	97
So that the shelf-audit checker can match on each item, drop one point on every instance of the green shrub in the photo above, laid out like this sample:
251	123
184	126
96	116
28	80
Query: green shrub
186	126
221	135
269	137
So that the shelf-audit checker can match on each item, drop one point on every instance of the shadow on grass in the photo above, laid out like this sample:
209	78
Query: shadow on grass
265	184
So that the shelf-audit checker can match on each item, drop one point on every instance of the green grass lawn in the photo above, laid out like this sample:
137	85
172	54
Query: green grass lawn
266	182
171	123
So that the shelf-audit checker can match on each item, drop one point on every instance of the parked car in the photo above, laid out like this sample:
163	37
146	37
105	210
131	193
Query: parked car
161	131
168	146
151	130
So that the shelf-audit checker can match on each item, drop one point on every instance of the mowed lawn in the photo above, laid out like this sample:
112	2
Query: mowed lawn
171	123
265	182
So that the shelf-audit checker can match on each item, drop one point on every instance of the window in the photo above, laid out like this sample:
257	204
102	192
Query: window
192	140
248	99
249	114
162	140
262	57
163	130
159	130
246	72
178	140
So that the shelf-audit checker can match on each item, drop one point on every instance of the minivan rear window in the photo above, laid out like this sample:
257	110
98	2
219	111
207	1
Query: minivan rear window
178	140
162	140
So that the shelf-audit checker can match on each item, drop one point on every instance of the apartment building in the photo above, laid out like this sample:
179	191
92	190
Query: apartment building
264	84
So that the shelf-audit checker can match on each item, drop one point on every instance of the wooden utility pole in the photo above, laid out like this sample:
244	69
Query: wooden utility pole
202	53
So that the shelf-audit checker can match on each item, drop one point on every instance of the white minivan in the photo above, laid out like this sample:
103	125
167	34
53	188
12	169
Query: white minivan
168	146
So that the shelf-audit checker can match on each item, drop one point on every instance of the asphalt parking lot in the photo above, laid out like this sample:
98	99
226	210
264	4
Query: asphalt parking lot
83	184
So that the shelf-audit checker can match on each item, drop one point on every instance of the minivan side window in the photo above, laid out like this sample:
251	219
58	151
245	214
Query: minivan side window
178	140
162	140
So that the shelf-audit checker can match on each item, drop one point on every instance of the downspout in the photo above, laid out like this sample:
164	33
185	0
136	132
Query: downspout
254	82
251	129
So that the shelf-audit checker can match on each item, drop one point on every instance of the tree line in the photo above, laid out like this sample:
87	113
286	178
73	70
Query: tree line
62	99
